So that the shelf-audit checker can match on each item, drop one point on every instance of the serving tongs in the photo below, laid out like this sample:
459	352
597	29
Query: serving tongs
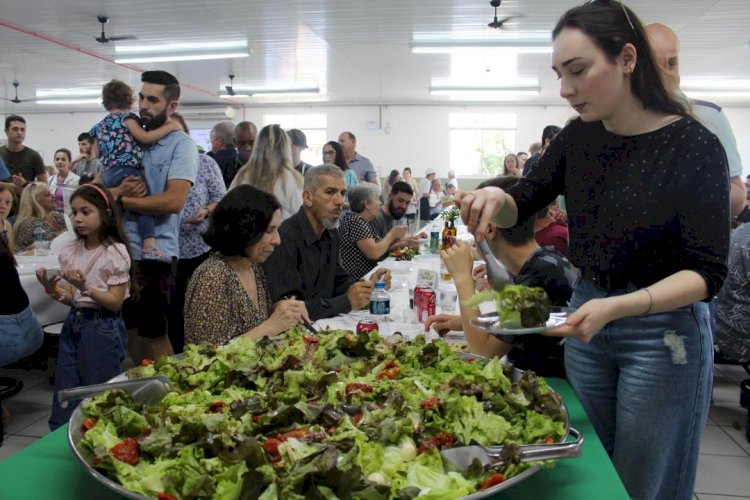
497	275
148	390
489	457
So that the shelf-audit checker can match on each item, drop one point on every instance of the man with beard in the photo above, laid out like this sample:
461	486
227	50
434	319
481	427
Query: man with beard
307	261
170	167
392	212
85	164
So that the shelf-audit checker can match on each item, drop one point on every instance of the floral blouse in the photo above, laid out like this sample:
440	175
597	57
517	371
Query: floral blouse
117	146
53	224
209	187
217	307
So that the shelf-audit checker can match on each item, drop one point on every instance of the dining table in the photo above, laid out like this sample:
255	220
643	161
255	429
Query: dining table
49	469
47	310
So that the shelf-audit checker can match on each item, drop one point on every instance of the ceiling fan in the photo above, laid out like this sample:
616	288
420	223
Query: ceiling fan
15	99
500	24
230	90
104	39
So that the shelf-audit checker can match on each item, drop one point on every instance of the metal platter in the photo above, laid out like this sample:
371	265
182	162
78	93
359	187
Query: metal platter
490	323
85	457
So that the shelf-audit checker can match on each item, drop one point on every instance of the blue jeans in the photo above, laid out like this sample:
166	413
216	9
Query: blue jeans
112	177
92	346
20	335
645	383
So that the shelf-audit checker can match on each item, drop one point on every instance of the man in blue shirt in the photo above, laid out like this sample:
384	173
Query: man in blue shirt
170	167
666	48
362	166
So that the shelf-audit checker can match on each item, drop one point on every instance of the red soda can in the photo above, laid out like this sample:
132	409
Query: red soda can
427	303
366	325
417	288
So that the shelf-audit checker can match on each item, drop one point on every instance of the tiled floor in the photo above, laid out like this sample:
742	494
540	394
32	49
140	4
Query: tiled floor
723	470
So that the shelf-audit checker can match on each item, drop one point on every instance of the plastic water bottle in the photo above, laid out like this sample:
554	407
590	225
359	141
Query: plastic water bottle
380	308
39	234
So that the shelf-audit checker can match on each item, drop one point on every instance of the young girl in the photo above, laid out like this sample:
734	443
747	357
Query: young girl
94	281
117	138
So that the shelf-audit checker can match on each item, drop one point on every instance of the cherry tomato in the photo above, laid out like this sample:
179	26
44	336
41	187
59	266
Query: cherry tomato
128	450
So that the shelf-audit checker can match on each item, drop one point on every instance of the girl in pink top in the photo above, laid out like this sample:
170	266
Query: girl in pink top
94	280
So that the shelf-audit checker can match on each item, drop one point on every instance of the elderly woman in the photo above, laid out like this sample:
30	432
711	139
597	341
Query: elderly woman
64	182
361	247
228	295
7	195
37	206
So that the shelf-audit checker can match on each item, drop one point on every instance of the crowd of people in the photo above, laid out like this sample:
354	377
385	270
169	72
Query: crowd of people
247	239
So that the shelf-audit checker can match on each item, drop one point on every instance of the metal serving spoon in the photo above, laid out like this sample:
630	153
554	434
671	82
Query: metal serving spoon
497	275
147	390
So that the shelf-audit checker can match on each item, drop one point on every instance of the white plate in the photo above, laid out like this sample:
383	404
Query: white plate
489	323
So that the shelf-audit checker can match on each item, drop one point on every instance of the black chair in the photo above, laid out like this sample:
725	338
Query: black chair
424	210
8	387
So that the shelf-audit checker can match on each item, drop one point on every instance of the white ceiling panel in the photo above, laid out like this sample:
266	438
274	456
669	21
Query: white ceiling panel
356	50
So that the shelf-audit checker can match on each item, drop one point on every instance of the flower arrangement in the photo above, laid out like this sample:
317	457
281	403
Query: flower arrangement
450	214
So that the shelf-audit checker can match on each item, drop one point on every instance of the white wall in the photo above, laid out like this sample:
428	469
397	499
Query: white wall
418	138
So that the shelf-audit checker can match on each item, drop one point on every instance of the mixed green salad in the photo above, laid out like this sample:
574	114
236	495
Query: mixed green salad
323	417
518	306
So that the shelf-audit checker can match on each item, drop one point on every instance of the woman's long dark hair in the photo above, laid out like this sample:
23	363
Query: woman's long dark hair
340	161
611	25
240	219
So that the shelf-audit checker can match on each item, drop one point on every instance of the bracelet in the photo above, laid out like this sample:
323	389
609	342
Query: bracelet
650	301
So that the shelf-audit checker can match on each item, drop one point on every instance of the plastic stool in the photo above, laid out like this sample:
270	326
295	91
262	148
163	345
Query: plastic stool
8	387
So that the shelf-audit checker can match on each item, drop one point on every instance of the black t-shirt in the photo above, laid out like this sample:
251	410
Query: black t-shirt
13	298
548	269
640	207
26	162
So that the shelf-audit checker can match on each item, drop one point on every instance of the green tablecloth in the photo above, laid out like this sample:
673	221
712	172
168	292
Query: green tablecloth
47	470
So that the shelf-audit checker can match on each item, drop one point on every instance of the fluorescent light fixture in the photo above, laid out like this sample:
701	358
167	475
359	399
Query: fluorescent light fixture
177	58
53	93
219	45
235	96
446	44
306	88
718	94
68	102
516	88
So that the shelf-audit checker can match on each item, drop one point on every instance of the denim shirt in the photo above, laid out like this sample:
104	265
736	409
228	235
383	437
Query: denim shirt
173	157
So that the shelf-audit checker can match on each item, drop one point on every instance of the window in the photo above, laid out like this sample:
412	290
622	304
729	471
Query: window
315	127
480	141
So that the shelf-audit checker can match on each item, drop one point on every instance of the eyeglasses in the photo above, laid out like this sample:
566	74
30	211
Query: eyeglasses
329	152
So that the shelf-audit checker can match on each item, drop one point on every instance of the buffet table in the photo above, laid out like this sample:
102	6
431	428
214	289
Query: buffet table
48	470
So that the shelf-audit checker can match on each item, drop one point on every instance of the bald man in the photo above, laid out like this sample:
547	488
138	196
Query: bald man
666	48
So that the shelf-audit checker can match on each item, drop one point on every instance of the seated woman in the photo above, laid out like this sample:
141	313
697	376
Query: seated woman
7	196
37	205
529	265
361	247
20	332
228	295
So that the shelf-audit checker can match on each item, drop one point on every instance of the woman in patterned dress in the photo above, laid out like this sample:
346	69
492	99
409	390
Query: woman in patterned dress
228	295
